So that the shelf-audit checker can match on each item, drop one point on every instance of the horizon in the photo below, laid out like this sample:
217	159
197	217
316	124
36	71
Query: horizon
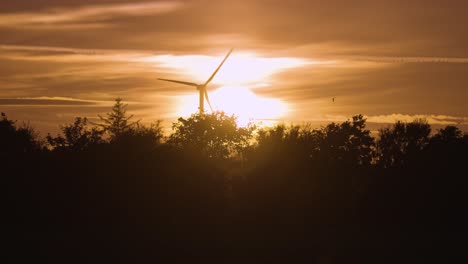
387	61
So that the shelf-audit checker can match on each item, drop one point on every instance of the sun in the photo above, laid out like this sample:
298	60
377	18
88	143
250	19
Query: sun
240	101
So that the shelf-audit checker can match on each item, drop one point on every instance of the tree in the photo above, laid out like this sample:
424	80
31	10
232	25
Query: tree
399	143
77	136
214	135
141	138
449	134
447	146
14	139
348	142
281	143
117	122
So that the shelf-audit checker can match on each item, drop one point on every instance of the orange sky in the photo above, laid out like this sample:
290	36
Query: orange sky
386	59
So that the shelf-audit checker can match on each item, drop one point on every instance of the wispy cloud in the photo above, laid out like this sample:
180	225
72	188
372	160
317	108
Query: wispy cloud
85	14
64	54
412	59
49	101
432	119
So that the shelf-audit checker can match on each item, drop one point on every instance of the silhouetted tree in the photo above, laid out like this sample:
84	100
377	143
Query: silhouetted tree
117	121
399	143
76	136
447	135
141	137
14	139
348	142
214	135
303	190
281	143
447	146
273	138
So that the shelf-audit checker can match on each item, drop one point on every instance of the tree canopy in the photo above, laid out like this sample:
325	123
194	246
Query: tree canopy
215	135
121	191
17	139
117	122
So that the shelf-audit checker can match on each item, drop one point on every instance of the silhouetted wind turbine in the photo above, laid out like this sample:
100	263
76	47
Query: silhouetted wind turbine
202	87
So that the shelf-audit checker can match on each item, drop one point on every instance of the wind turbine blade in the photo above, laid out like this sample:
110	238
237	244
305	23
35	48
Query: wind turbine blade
181	82
216	71
208	99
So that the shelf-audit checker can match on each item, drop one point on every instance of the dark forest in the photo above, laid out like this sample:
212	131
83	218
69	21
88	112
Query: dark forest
213	192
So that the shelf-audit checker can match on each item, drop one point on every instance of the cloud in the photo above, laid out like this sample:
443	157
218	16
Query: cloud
47	101
72	17
412	59
378	121
69	55
376	57
432	119
366	28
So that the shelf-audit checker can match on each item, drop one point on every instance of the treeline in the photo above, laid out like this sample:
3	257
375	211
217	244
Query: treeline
212	191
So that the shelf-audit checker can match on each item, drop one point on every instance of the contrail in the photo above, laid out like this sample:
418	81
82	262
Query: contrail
412	59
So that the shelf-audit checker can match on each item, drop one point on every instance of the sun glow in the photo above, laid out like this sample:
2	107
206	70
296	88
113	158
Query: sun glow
239	69
237	100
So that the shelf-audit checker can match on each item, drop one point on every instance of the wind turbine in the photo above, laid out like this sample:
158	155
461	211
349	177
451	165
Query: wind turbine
202	87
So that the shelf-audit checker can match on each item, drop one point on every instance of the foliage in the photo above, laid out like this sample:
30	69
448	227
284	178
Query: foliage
300	189
141	137
117	122
399	143
77	136
348	142
14	139
447	135
215	135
